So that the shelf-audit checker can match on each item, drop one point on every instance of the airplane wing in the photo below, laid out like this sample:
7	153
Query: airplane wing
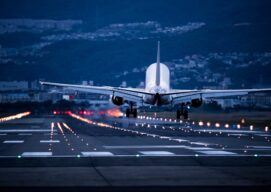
179	96
129	94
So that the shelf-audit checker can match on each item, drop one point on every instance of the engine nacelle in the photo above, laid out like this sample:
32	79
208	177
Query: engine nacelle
196	103
117	100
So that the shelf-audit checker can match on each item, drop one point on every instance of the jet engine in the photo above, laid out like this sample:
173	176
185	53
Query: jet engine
117	100
196	103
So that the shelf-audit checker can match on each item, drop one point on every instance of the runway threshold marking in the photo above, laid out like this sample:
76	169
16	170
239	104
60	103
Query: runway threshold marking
97	154
155	153
13	141
37	154
217	152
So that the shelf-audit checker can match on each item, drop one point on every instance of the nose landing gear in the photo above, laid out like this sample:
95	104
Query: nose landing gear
131	111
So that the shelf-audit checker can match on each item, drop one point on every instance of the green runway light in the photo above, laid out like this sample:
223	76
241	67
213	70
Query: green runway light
78	156
137	155
19	156
196	155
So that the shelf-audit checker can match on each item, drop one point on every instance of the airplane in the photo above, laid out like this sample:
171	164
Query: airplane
157	92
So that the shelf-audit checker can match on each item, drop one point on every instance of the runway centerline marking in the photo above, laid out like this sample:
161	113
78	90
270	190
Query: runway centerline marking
157	153
49	141
23	130
37	154
13	141
23	134
50	134
97	154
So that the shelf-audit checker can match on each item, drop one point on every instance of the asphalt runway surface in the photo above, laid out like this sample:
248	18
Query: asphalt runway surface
118	153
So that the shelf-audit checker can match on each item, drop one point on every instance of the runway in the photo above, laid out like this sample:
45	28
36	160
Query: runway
130	152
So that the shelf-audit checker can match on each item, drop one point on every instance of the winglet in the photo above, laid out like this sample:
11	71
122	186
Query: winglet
157	80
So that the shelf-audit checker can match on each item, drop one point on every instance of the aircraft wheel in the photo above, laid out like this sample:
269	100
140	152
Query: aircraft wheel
135	113
128	113
178	114
185	114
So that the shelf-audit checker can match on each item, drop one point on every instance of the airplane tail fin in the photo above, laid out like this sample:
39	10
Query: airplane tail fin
157	78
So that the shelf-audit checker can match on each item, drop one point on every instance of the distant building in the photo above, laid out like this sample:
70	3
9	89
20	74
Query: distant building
14	85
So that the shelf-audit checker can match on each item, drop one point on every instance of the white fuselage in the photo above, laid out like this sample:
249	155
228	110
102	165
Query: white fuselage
151	85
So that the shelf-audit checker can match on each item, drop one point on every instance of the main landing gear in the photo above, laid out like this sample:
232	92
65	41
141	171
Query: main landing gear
131	111
182	112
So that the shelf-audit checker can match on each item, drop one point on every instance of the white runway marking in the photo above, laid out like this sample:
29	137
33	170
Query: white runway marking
176	155
200	148
13	141
24	133
24	130
180	140
227	131
2	134
35	126
236	134
36	154
49	141
145	146
50	134
97	154
156	153
217	152
259	147
201	143
264	135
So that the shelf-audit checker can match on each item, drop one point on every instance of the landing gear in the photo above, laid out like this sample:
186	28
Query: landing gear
179	114
182	112
131	111
185	114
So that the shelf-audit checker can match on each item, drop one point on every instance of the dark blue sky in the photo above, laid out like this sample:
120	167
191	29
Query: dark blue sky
165	11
